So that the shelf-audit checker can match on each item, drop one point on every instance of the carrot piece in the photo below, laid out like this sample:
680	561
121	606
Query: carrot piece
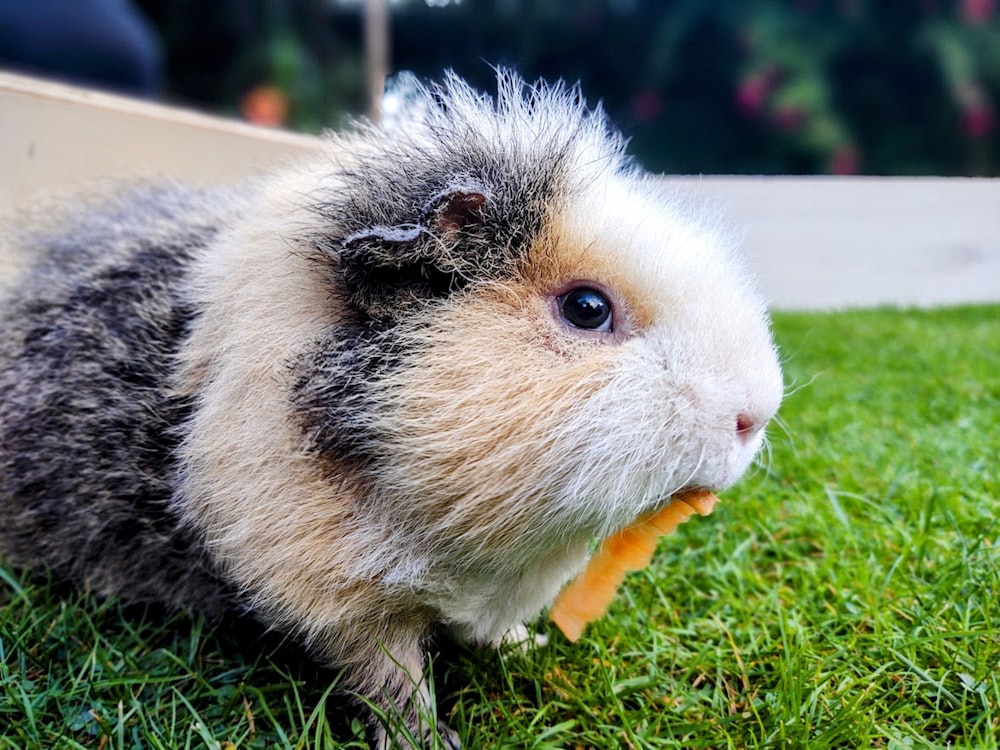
587	597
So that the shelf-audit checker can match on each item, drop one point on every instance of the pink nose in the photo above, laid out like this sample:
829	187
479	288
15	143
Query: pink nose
746	426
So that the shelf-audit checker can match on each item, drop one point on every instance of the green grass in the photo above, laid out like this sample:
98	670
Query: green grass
845	595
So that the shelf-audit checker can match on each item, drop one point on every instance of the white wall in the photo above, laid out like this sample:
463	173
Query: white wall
830	242
814	242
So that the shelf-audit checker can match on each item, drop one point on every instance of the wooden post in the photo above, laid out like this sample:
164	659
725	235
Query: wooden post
376	54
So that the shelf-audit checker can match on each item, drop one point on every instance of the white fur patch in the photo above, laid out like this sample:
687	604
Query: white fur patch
507	443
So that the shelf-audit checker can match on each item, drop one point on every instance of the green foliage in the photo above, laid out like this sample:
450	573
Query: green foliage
728	86
845	594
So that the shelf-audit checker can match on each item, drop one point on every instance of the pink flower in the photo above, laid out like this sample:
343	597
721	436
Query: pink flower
844	161
977	11
754	88
978	120
978	117
751	93
788	118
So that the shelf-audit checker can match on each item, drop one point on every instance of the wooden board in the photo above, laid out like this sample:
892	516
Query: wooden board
815	243
833	242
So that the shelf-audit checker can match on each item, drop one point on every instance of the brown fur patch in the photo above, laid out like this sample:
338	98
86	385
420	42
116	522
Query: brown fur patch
473	434
568	252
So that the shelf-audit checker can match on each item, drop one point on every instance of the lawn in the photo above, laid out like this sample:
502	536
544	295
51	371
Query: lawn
845	594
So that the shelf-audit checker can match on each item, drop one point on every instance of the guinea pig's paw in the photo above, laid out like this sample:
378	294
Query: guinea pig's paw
417	736
392	683
518	637
447	737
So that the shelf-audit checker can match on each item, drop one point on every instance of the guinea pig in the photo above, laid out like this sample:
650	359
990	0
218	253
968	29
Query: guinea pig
394	390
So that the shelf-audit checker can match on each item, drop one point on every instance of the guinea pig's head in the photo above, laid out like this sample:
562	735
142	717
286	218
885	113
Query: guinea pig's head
543	342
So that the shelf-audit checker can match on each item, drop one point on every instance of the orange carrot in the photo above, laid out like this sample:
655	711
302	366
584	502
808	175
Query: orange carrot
587	596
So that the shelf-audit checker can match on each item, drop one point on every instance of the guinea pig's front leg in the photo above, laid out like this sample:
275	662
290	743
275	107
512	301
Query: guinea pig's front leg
520	637
391	681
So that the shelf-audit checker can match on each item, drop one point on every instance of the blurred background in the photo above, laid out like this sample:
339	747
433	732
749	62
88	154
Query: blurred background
881	87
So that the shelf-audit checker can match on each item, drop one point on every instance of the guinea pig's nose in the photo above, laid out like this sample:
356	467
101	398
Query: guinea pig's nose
747	425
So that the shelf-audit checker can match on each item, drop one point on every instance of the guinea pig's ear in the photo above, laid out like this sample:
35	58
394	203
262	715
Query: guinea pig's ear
453	209
386	267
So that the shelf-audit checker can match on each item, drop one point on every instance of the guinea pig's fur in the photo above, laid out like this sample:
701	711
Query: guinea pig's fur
350	398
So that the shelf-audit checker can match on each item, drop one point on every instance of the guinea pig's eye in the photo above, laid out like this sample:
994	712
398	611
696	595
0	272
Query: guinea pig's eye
586	308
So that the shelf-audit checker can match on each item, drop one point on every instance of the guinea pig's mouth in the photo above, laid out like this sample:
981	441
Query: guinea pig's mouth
697	499
663	519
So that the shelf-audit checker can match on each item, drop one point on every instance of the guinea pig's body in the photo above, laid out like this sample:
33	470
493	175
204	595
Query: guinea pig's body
398	388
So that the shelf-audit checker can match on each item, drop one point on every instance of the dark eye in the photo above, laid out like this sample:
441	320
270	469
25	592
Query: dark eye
586	308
